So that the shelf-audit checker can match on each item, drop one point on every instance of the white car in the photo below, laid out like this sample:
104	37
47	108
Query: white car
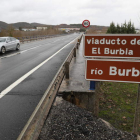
9	43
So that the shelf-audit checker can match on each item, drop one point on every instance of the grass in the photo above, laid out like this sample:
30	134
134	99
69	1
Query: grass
117	104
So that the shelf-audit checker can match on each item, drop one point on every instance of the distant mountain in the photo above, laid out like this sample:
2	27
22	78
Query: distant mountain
38	24
21	24
3	25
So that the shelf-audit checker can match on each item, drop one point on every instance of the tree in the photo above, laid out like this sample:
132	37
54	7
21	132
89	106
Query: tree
20	28
130	28
82	30
112	29
10	30
124	29
118	29
133	31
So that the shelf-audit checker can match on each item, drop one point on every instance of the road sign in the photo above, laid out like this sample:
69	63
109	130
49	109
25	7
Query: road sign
86	23
113	70
112	45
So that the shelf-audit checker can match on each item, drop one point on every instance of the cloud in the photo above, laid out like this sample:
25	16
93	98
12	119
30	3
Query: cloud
101	4
99	12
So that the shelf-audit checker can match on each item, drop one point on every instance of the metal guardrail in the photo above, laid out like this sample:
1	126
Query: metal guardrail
33	127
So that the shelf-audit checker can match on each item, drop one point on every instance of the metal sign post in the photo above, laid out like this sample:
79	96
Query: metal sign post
92	85
137	113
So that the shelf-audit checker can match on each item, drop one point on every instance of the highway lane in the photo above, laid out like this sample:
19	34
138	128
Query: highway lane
17	105
21	63
27	46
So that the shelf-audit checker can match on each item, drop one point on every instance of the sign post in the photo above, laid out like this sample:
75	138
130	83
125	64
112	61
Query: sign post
137	113
92	85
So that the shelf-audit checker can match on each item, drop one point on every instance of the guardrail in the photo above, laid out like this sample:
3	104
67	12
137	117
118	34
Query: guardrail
33	127
39	37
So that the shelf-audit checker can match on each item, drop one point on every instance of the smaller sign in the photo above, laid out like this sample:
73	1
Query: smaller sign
113	70
86	23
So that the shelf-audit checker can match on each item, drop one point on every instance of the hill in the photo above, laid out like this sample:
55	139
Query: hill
3	25
21	24
38	24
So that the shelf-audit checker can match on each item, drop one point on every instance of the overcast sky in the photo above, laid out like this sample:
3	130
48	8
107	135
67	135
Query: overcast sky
99	12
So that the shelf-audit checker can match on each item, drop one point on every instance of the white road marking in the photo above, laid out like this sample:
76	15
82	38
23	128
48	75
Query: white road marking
30	49
20	52
10	55
9	88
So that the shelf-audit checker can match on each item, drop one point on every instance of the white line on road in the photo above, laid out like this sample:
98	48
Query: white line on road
30	49
5	91
20	52
10	55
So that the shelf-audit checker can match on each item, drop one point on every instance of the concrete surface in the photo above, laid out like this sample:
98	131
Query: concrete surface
77	82
76	88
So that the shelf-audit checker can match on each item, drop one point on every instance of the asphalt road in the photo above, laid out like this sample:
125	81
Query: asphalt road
24	78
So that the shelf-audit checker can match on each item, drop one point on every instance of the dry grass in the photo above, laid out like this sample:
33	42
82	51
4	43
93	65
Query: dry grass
13	33
95	30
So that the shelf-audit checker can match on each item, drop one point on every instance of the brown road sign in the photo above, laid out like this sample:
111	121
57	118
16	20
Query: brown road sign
113	70
112	45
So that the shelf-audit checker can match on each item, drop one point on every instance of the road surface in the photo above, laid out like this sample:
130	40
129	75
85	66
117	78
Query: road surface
24	78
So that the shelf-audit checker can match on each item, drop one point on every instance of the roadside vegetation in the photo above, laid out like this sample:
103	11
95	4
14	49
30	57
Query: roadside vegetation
117	104
19	33
97	30
126	28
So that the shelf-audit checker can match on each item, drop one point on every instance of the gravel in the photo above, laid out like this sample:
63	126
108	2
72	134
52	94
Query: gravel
69	122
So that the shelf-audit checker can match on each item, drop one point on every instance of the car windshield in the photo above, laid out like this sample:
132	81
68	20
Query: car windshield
2	39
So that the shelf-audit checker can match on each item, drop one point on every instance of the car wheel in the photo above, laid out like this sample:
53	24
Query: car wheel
3	50
18	47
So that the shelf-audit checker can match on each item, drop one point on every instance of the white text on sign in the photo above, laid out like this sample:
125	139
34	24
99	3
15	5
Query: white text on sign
118	41
112	45
115	71
120	51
